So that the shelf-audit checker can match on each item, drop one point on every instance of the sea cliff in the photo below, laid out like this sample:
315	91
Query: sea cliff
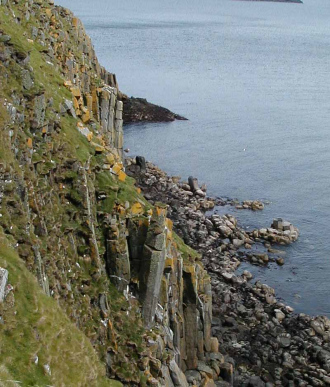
96	288
103	259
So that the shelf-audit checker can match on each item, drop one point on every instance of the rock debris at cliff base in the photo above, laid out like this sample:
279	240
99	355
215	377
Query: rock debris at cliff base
259	336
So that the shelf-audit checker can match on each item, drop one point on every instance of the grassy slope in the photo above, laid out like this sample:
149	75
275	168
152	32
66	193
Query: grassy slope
46	79
34	325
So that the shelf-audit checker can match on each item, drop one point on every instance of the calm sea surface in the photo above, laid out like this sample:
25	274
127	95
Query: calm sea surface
254	80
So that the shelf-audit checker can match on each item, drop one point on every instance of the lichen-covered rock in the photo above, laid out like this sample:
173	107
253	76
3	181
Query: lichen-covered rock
3	283
38	111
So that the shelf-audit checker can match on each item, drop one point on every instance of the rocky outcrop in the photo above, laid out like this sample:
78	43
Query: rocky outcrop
3	283
152	265
280	232
172	286
140	110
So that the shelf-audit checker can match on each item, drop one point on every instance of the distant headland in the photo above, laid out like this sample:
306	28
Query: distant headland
280	1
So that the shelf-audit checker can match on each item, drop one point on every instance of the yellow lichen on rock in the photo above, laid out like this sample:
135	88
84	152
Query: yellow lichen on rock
110	159
122	176
117	168
76	92
29	143
74	22
169	263
86	116
48	12
137	209
98	148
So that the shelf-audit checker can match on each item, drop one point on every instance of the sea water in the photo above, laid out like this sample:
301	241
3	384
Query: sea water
253	78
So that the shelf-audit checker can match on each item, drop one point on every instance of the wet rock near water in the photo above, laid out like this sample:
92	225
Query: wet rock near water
254	205
261	341
281	232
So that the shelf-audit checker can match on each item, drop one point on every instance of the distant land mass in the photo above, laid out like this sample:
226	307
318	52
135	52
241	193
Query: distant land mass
280	1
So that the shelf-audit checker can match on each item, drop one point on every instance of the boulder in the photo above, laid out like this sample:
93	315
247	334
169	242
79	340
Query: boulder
178	377
193	184
202	367
141	162
68	107
167	377
256	381
193	376
280	316
227	373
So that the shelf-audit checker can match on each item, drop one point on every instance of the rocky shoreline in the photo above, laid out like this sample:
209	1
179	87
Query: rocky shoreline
262	342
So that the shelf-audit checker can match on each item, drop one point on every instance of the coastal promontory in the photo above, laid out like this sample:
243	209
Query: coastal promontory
280	1
140	110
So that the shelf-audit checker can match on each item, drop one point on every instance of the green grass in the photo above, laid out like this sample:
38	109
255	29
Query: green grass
186	251
46	79
76	143
118	191
127	192
34	325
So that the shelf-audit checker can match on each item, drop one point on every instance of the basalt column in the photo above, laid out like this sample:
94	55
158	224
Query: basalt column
152	264
117	256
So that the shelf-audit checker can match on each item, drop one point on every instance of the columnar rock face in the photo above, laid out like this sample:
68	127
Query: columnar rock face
117	256
108	257
152	264
174	290
111	117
